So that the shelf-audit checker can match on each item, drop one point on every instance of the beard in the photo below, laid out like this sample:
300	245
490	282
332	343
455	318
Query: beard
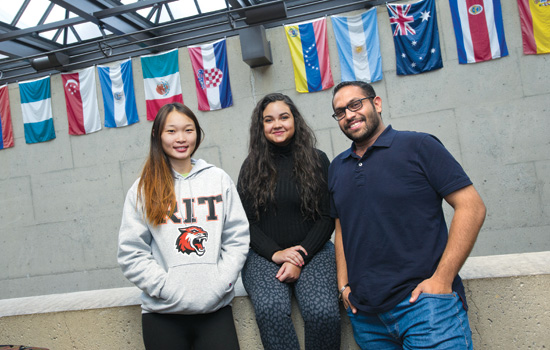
372	122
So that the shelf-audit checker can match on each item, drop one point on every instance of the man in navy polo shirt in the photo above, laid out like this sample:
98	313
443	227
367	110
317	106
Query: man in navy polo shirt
397	263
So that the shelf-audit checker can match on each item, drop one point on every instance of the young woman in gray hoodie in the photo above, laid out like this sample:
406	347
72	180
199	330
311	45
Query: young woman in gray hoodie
183	240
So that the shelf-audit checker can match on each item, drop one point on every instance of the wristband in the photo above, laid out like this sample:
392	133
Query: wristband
343	289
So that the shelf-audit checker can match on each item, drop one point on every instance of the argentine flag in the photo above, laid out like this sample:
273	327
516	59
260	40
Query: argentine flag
36	105
358	46
117	89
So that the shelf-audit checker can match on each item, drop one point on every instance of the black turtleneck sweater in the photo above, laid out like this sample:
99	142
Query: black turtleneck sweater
282	225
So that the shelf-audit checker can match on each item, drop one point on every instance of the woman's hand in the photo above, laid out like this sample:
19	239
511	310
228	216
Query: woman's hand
288	273
291	255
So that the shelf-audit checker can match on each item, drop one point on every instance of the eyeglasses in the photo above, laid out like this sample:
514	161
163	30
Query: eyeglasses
354	106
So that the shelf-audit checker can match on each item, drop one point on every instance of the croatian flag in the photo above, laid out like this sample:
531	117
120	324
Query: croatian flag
81	101
415	37
479	30
117	89
36	105
358	46
309	50
161	77
211	75
6	130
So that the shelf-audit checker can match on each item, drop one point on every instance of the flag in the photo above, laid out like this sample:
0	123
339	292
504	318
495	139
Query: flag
358	46
6	130
211	75
81	101
479	30
309	50
117	89
416	37
36	105
535	26
161	77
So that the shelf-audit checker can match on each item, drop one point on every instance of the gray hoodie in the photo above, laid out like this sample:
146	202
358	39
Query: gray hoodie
190	264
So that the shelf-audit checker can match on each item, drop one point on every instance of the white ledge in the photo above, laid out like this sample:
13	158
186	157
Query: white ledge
492	266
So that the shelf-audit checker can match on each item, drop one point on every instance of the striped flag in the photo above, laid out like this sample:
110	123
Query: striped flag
211	75
309	50
358	46
535	26
81	101
161	77
36	105
479	30
117	89
6	130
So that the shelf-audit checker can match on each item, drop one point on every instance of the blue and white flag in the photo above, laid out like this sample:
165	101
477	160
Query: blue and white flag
415	36
358	46
36	106
119	100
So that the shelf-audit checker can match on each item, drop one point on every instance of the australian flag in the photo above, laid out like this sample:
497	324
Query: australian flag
416	37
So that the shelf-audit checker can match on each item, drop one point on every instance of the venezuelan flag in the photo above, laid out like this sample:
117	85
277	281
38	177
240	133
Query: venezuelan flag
309	50
535	26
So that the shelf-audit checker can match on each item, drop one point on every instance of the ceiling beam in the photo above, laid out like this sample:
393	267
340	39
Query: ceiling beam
88	12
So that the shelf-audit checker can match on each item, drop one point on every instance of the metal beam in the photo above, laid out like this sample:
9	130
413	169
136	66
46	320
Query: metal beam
18	33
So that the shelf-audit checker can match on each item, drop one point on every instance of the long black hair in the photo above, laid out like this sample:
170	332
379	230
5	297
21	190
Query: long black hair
258	176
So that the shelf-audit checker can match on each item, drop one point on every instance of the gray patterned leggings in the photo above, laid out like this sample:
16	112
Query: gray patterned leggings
315	291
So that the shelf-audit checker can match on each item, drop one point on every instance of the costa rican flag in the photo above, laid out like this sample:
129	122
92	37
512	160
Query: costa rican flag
211	75
479	30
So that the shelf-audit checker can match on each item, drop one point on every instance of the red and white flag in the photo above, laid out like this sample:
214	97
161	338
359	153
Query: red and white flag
211	75
81	100
6	129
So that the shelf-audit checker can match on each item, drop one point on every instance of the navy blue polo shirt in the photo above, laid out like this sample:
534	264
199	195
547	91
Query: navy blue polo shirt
389	203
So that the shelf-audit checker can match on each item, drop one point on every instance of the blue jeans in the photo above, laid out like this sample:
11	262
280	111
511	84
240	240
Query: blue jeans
434	321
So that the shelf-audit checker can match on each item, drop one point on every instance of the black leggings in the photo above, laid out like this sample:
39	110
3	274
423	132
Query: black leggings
185	332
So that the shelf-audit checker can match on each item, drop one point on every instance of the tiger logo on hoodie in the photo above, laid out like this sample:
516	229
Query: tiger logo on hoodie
191	240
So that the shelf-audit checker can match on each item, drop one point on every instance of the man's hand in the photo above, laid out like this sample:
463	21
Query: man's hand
288	273
430	286
346	302
291	255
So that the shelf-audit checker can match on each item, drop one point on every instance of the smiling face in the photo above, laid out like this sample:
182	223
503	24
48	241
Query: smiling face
278	123
179	138
364	125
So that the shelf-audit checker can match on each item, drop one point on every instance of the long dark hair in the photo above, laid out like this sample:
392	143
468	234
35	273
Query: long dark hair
156	184
258	177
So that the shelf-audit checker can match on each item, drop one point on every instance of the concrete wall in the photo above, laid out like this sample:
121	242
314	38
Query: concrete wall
61	201
509	310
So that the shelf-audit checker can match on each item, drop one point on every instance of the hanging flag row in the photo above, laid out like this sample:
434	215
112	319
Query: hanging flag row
161	81
478	26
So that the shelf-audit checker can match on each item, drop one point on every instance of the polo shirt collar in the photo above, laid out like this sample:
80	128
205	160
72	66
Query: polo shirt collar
384	140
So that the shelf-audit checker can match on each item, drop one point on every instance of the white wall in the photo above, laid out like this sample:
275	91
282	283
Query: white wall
61	201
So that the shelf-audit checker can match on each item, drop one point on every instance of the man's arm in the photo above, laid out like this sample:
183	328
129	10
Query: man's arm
341	266
469	214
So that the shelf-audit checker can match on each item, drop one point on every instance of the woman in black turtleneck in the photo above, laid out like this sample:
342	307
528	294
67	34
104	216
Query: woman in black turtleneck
283	187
